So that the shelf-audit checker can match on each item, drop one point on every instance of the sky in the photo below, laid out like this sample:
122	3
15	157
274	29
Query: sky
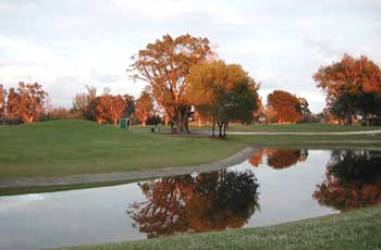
67	44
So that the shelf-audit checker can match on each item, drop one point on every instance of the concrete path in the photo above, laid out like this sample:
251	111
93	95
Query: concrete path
367	132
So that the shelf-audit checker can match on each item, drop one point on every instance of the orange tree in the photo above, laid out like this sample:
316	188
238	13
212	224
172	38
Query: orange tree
352	86
165	65
223	91
286	106
110	108
26	103
2	101
144	107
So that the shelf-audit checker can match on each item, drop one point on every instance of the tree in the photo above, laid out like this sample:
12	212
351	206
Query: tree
110	108
27	102
2	101
86	103
286	106
224	92
144	107
350	77
165	65
304	108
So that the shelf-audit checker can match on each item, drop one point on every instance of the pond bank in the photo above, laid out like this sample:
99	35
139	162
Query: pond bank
125	176
359	229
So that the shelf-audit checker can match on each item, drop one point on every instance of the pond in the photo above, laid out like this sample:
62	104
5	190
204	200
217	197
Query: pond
272	186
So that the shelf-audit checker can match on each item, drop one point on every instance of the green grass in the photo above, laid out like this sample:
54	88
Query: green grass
67	147
60	148
360	229
310	127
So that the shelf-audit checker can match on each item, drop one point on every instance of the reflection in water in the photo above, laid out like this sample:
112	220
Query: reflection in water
279	158
207	202
353	180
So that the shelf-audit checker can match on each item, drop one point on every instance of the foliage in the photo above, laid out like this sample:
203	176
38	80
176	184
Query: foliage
26	103
61	114
144	107
223	91
286	106
3	93
109	108
86	103
165	65
353	86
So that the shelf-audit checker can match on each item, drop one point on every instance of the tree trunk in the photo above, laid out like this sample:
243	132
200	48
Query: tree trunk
220	129
213	126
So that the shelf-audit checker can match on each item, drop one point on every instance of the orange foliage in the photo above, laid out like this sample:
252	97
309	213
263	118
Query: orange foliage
286	106
110	108
165	65
144	107
26	103
350	74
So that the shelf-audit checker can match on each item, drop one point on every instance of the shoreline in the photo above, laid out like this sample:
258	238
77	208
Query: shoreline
30	182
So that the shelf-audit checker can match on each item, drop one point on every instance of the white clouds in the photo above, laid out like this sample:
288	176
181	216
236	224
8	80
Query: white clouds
65	44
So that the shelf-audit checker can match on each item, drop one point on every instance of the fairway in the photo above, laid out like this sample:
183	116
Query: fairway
68	147
73	147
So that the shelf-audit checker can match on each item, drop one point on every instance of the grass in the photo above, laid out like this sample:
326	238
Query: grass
67	147
60	148
360	229
311	127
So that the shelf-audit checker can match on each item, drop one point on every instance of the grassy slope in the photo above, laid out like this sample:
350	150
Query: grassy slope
77	147
311	127
61	148
359	229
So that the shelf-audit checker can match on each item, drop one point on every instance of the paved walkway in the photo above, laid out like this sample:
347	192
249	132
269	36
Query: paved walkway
367	132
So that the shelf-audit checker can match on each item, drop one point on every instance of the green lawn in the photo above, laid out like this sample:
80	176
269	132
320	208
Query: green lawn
59	148
360	229
311	127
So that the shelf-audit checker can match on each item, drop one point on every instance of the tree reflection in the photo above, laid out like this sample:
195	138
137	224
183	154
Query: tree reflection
206	202
278	158
353	180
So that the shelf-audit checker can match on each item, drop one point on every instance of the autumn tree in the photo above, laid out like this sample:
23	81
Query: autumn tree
286	106
144	107
224	92
26	103
110	108
352	86
86	103
165	65
2	101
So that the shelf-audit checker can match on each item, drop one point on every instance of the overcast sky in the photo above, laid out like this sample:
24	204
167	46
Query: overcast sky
66	44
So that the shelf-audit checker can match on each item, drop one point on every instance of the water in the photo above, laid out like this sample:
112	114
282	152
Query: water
271	187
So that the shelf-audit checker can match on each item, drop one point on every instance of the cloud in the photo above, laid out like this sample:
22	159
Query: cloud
66	44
